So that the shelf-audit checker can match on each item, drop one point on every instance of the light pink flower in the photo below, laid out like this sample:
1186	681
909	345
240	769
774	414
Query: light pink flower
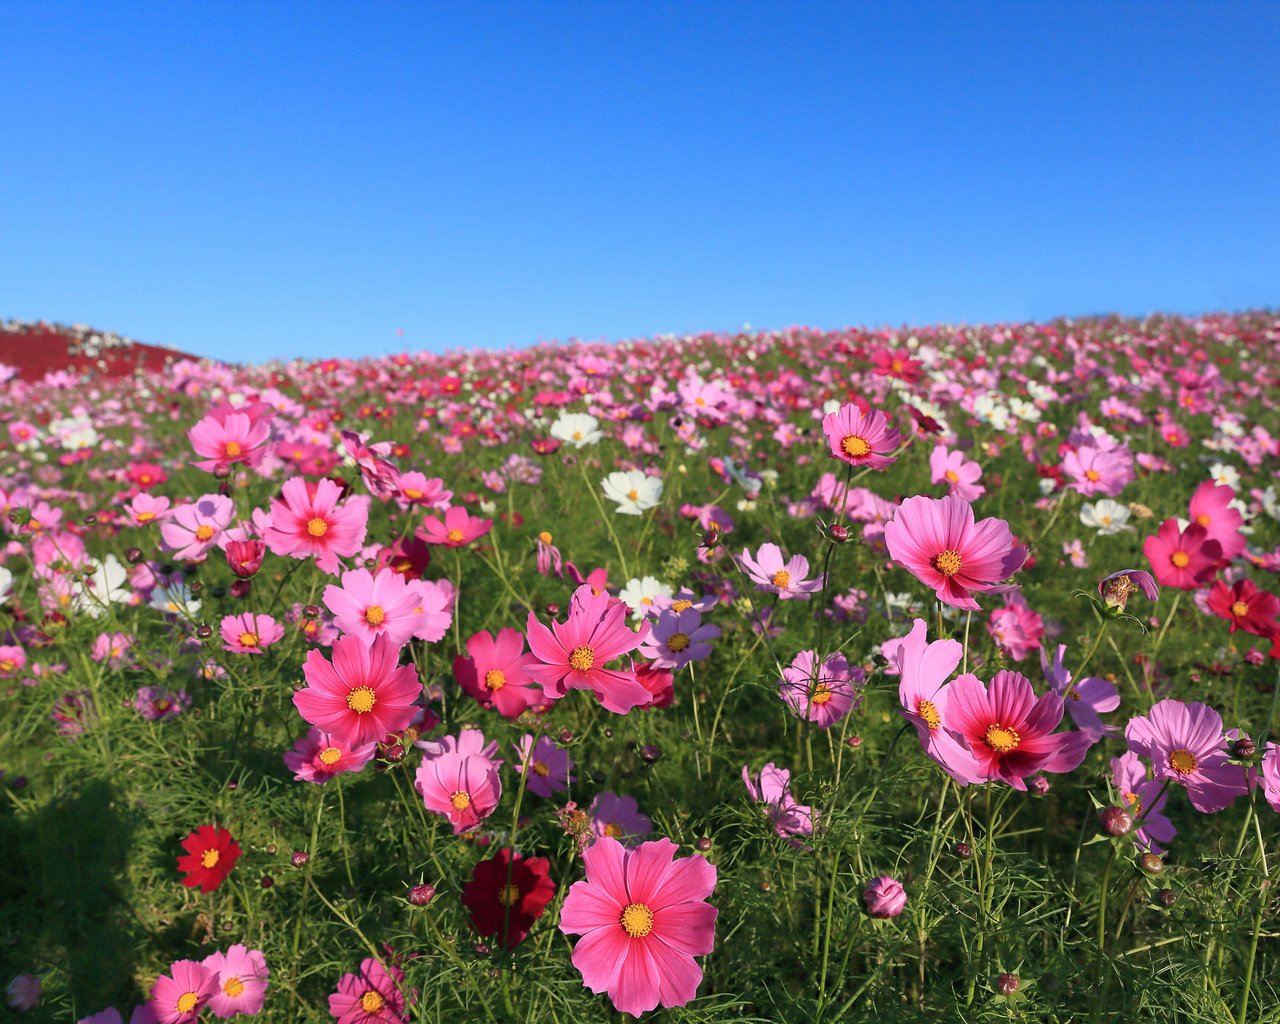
242	976
775	575
370	606
959	474
248	633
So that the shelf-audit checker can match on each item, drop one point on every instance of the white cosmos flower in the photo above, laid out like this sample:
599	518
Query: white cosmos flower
1106	516
1225	475
1270	502
6	585
105	586
577	428
175	599
638	595
633	491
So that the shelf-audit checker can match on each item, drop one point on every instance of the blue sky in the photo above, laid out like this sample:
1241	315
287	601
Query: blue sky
258	180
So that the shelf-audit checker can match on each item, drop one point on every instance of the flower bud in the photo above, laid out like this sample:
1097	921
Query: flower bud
885	897
1243	749
837	533
421	895
1115	821
963	850
1167	897
300	858
1151	863
1008	984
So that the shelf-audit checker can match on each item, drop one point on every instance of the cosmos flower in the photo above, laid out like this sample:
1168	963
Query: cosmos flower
678	638
211	854
1183	559
773	574
958	473
1144	798
227	436
548	765
1245	607
248	633
317	757
1185	744
370	606
1211	508
308	520
495	673
577	429
633	492
456	530
791	821
190	531
369	996
861	439
822	694
465	788
1106	516
507	893
618	817
242	975
363	695
179	996
643	917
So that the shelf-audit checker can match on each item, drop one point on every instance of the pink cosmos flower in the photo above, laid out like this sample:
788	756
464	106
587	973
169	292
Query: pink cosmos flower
457	529
790	820
549	765
938	542
307	520
468	743
774	575
1016	628
643	917
1086	700
1144	798
861	439
370	996
13	660
1271	775
1009	730
415	489
923	696
244	557
822	694
496	674
378	474
370	606
1185	744
112	648
959	474
1093	471
1183	559
678	638
189	531
242	981
434	608
464	788
1074	550
156	704
618	817
317	757
228	435
572	655
363	695
146	509
248	633
1117	588
1211	508
179	996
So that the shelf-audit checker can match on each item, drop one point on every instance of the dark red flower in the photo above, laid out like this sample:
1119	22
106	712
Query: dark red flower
508	892
1245	607
211	854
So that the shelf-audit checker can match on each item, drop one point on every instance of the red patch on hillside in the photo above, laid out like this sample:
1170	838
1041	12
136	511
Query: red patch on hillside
36	349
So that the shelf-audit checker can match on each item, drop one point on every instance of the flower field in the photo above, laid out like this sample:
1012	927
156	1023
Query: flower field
797	676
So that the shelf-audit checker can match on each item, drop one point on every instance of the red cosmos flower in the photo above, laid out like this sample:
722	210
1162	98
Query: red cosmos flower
1183	559
1246	607
245	556
211	854
507	893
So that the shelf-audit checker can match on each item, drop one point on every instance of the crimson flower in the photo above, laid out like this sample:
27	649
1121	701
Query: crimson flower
211	854
507	893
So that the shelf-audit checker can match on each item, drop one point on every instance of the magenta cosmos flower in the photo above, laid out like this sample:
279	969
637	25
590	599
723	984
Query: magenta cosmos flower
1095	470
370	996
496	673
248	633
1211	508
1182	559
923	694
1009	730
465	788
1144	798
772	787
861	439
227	436
457	529
821	693
370	606
179	996
362	695
775	575
307	520
572	656
958	473
643	917
242	976
318	757
1185	744
937	540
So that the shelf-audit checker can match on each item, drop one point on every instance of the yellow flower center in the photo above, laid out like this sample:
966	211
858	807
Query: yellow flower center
1092	475
927	710
209	858
8	665
577	435
540	768
1132	800
1001	740
412	493
637	920
781	579
582	658
633	494
460	800
204	531
330	755
952	476
1203	519
232	987
681	606
362	699
1181	559
821	694
145	517
613	830
678	642
454	536
317	527
855	447
509	895
1239	609
374	615
186	1002
248	639
232	448
371	1002
1183	761
545	537
495	679
948	562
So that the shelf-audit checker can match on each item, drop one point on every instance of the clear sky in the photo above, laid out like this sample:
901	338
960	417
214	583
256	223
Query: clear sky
258	180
